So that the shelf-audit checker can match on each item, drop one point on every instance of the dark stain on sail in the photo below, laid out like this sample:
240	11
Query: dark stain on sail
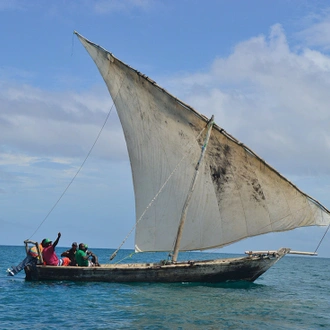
258	193
192	126
219	163
226	150
219	177
249	177
222	172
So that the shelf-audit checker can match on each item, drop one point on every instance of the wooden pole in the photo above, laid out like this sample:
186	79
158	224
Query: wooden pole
192	187
274	252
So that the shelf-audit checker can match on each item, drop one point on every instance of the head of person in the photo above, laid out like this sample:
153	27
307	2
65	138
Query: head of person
46	242
82	246
74	246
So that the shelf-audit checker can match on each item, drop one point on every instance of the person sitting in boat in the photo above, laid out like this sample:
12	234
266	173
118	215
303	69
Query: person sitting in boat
49	255
82	257
95	259
30	259
71	254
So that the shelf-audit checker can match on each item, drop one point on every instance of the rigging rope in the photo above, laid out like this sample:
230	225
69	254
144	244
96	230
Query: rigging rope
321	239
83	163
155	197
126	257
79	169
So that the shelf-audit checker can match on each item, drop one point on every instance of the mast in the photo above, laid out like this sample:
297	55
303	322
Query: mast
191	190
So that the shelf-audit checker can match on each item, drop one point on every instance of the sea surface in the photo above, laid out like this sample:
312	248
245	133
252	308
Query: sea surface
293	294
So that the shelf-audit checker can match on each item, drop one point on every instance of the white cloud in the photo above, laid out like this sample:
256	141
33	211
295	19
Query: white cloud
58	124
14	159
45	136
273	99
317	32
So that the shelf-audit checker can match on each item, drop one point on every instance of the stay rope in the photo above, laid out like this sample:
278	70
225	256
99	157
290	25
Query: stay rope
79	169
82	164
157	194
322	239
126	257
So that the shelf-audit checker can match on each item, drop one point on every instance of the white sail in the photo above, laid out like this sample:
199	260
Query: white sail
237	194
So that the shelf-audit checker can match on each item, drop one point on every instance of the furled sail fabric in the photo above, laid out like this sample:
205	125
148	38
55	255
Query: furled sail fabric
237	194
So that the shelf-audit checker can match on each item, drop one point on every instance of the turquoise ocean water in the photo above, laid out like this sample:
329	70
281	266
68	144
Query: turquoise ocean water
293	294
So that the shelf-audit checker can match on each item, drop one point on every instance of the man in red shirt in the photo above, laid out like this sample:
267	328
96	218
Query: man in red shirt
49	255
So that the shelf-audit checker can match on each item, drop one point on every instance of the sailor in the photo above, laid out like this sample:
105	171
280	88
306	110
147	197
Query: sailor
30	259
71	254
49	255
82	257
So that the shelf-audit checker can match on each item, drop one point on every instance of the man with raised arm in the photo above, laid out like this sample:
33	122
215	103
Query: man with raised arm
49	254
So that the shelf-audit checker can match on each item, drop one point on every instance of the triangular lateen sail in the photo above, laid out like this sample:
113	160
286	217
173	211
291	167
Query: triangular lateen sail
237	195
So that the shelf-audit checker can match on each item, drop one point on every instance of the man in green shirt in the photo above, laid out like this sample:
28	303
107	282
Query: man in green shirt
82	257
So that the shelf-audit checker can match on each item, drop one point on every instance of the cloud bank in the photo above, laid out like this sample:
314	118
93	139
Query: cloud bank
272	98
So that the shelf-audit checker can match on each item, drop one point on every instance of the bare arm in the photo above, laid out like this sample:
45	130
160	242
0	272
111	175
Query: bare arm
88	254
57	239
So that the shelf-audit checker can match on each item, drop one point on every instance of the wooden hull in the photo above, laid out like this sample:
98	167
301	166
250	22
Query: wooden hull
211	271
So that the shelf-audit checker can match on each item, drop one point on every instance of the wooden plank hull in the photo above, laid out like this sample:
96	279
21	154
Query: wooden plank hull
211	271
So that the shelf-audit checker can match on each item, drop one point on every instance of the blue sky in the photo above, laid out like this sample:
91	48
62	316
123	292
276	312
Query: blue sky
261	67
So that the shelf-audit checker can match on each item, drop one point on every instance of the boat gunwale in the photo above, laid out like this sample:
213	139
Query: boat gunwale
153	265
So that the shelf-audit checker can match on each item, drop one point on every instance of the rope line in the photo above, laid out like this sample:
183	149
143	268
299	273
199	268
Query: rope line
81	166
322	239
128	256
83	163
155	197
